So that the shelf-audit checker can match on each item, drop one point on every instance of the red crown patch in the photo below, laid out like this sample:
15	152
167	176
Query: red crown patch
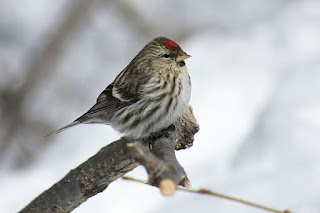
169	44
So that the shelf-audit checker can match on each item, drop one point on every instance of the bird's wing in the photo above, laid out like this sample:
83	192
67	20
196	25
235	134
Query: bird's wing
106	105
124	91
128	87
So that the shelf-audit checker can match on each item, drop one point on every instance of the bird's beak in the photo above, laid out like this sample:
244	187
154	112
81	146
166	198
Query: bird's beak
182	56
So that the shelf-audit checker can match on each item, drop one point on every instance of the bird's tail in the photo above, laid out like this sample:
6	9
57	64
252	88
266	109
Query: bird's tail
74	123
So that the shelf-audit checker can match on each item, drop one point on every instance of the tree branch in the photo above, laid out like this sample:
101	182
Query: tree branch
220	195
160	161
114	161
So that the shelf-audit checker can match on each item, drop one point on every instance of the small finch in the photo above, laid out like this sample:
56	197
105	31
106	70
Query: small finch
149	95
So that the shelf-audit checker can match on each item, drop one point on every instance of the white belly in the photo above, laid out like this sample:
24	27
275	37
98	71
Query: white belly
164	111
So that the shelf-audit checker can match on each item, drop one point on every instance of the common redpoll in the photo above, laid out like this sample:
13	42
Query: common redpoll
149	95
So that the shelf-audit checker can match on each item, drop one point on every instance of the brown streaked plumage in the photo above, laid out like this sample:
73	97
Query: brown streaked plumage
147	96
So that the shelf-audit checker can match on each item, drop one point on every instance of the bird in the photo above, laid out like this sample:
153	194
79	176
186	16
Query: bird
148	95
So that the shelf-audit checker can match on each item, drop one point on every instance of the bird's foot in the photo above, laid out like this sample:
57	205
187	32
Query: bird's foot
163	133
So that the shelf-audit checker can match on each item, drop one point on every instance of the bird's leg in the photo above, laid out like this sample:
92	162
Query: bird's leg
163	133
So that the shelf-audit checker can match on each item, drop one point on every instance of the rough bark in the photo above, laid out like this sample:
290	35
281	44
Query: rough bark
160	161
115	160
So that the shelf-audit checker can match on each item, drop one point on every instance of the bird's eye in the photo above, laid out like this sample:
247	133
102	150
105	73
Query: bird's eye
166	55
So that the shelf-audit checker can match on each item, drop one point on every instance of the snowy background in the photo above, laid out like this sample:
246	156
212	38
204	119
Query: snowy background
255	71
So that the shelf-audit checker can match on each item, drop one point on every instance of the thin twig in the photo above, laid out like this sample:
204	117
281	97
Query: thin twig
209	192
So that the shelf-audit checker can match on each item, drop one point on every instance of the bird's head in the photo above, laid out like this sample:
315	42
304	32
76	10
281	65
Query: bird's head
163	51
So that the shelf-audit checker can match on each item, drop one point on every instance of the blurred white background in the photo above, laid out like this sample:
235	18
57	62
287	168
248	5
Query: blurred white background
255	71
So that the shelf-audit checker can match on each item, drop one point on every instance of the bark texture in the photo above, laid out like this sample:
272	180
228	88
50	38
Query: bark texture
156	154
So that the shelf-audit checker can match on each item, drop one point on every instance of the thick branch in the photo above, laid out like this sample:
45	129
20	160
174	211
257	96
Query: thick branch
160	161
110	163
90	178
